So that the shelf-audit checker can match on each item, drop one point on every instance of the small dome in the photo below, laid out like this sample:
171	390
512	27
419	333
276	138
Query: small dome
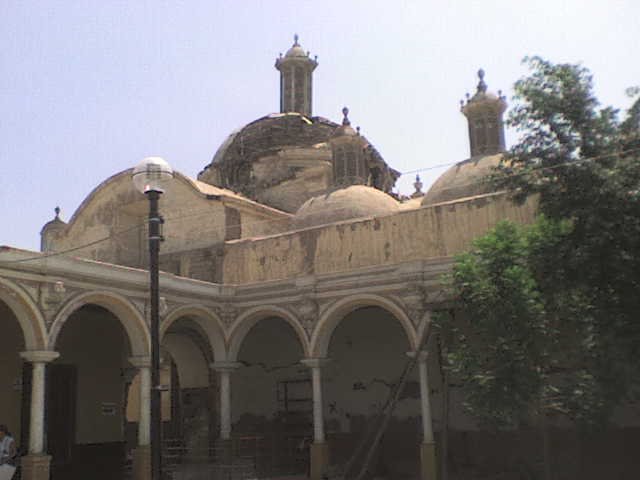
464	179
296	50
356	201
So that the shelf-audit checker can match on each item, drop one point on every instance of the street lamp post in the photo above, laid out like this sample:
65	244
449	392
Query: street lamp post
151	177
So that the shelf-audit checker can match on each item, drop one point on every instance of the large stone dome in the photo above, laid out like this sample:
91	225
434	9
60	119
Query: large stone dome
464	179
355	201
231	164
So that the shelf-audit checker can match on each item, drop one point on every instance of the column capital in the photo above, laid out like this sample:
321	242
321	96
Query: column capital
141	361
423	355
39	356
315	362
225	366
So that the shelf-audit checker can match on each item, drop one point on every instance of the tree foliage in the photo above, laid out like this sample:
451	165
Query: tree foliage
549	314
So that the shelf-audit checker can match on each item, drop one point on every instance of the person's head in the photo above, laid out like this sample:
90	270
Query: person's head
4	431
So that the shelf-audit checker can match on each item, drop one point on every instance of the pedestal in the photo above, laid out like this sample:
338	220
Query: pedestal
142	463
428	461
35	467
319	458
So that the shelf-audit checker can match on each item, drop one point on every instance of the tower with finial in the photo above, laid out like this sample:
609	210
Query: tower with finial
50	233
296	79
484	114
347	148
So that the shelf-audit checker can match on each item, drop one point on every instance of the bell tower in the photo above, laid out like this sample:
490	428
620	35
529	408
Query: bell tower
296	80
484	113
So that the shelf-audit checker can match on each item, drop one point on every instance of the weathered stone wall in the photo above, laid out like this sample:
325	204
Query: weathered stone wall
113	219
429	232
112	222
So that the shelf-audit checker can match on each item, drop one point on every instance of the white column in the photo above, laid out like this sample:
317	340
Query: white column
143	364
225	369
39	359
316	364
427	429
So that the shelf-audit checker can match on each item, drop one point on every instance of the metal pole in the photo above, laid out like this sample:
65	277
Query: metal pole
156	420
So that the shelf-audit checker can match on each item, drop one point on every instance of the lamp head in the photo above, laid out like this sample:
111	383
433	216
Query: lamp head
152	174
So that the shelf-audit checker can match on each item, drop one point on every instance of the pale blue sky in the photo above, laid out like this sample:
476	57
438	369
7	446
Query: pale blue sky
88	88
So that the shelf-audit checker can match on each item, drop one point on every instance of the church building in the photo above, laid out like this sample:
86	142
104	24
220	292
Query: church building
295	288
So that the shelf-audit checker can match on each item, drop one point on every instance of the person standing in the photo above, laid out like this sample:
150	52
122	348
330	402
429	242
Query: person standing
8	454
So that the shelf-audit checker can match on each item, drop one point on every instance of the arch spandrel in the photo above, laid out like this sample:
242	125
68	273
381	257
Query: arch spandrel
245	322
28	314
207	321
131	319
336	312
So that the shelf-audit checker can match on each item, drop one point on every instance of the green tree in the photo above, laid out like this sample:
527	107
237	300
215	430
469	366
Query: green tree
548	314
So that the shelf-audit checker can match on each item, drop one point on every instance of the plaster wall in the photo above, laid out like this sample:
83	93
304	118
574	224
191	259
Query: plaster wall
271	353
11	344
193	369
368	354
94	341
428	232
254	225
116	214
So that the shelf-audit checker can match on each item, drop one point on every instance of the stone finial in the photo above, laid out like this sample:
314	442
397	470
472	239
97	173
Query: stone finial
345	118
358	130
295	40
418	184
57	210
482	87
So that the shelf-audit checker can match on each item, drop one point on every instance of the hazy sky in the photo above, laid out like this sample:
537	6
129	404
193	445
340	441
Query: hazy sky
88	88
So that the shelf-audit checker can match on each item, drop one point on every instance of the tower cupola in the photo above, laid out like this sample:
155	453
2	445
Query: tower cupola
51	232
484	113
296	80
347	148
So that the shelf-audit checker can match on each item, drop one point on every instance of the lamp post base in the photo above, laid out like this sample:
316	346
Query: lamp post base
35	467
142	463
319	458
428	461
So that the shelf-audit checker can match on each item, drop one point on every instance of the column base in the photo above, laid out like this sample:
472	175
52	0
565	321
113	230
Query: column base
35	467
319	459
428	461
142	463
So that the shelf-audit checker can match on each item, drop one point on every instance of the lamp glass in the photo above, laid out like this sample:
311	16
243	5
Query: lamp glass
152	174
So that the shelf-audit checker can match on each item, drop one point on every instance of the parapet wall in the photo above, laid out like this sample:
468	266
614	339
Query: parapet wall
434	231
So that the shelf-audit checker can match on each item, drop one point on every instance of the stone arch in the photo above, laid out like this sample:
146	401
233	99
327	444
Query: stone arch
332	317
208	324
27	313
248	319
124	310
